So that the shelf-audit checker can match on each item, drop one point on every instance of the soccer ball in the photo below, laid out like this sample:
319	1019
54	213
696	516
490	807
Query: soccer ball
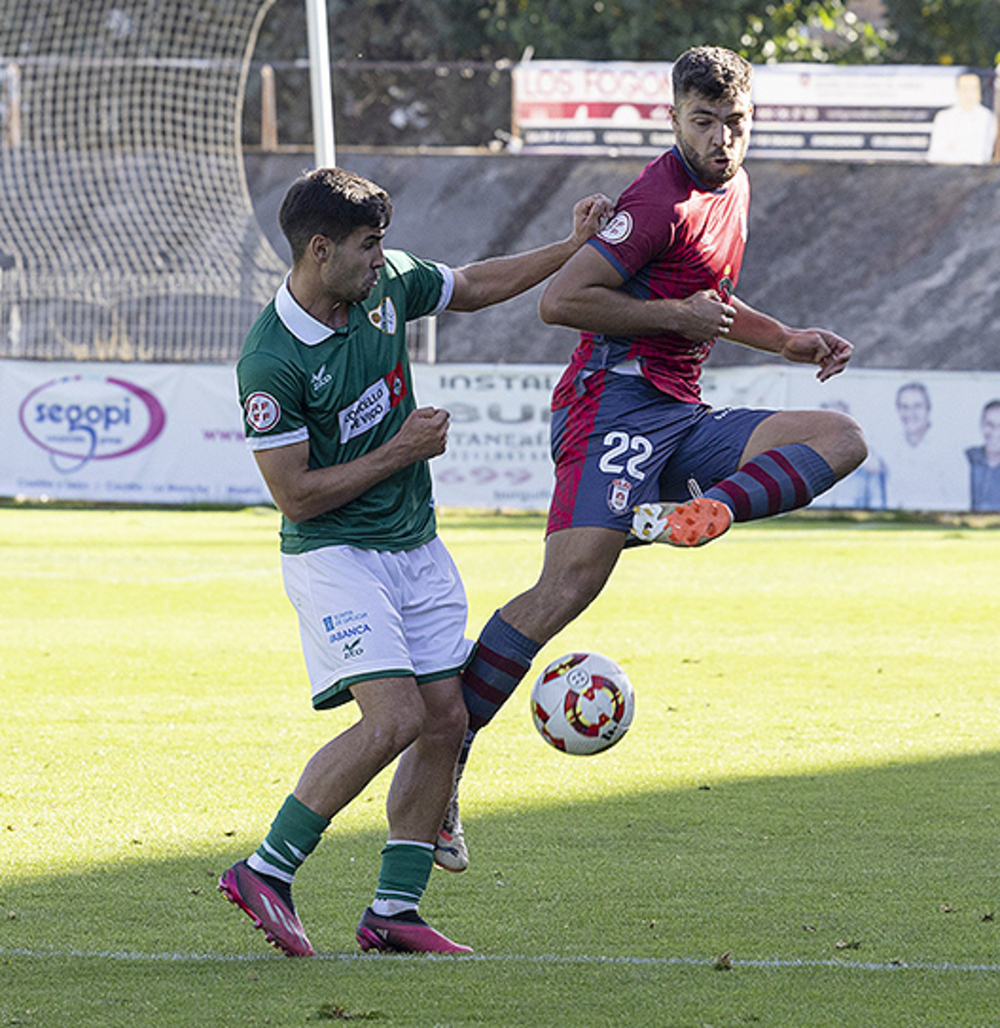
582	703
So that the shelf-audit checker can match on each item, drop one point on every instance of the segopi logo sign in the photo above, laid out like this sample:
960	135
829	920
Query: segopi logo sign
80	418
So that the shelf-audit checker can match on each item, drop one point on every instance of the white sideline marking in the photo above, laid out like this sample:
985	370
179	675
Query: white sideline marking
766	964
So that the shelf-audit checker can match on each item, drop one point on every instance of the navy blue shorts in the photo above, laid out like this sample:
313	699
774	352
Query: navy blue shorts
622	442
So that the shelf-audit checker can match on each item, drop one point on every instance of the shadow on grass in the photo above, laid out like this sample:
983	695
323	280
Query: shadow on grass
806	884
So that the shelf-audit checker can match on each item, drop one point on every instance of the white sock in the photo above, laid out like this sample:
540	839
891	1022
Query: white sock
392	907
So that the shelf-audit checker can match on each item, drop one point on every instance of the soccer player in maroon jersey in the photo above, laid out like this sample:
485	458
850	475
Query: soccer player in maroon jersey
638	456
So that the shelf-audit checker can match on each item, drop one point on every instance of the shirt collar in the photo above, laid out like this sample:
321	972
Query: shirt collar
298	320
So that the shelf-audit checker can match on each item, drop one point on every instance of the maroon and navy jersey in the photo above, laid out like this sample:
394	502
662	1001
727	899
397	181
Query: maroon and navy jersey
670	237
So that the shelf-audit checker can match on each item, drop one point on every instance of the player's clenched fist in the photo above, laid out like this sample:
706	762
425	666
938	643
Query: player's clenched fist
705	315
425	433
590	215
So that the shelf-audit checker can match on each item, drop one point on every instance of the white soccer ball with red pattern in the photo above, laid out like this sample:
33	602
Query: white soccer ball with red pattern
582	703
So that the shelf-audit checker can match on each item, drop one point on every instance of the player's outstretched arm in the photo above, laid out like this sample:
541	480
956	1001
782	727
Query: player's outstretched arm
301	492
800	345
496	279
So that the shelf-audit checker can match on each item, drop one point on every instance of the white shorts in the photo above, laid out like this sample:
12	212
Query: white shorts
367	614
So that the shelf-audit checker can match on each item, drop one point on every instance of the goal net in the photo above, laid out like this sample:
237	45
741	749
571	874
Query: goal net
126	227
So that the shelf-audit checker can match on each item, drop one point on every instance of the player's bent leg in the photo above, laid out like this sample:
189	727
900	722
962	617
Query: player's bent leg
392	716
835	436
789	458
418	795
424	779
577	563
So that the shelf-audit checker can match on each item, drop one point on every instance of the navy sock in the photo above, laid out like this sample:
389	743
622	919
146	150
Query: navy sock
502	657
775	481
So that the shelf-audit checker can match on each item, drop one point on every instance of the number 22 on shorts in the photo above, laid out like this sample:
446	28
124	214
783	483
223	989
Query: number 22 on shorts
620	445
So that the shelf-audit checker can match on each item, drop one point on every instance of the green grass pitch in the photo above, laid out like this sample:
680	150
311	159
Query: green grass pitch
800	828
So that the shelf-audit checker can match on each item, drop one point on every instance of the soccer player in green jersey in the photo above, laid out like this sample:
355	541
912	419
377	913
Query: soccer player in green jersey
332	421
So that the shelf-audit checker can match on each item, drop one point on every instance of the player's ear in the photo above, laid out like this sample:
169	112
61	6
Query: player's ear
320	248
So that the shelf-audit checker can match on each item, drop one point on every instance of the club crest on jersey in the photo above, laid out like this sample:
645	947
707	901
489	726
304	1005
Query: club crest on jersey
618	229
618	494
384	317
396	381
262	411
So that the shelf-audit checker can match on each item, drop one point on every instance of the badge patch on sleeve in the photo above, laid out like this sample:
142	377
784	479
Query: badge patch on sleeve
263	411
618	229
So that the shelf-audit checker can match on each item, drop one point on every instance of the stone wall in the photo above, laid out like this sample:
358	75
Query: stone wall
903	260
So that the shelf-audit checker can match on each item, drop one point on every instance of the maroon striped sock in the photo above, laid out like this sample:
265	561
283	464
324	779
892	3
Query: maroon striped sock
502	657
777	480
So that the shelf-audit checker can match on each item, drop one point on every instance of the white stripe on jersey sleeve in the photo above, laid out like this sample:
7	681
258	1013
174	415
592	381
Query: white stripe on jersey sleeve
272	442
447	288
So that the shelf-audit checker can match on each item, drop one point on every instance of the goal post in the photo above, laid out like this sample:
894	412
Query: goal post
126	229
320	86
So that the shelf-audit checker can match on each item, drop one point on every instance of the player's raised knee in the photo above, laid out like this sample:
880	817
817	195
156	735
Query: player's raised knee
848	440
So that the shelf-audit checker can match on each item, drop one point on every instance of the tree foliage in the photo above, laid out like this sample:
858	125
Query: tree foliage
640	30
963	32
432	72
600	30
916	31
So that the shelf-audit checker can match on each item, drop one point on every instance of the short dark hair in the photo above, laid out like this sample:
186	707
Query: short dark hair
334	203
713	71
991	405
